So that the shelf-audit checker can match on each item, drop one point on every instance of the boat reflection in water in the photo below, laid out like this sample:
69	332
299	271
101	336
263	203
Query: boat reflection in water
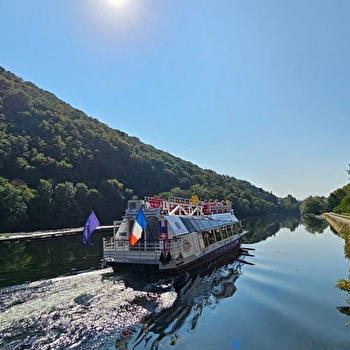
197	290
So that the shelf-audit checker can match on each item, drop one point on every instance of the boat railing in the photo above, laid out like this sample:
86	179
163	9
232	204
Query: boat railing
179	200
155	202
214	208
168	249
178	205
168	245
112	244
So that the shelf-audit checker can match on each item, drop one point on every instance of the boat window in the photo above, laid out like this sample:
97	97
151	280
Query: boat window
205	239
194	228
151	231
213	223
123	230
218	235
198	225
193	224
221	223
188	224
207	224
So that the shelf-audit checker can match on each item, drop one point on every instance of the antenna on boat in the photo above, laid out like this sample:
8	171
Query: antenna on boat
145	236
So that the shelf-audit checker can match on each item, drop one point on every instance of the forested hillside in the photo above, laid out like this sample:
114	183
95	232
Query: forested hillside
56	164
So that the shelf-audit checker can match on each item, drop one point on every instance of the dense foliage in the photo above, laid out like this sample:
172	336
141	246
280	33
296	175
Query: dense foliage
56	164
314	205
339	200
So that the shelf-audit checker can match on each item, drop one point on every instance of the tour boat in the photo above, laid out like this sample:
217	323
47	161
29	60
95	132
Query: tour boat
173	234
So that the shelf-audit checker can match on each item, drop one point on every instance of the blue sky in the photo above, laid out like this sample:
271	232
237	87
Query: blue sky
255	89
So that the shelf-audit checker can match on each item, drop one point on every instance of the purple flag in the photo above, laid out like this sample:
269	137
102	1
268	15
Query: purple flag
90	225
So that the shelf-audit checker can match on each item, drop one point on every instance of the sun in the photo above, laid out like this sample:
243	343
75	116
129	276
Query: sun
118	3
122	15
117	22
114	16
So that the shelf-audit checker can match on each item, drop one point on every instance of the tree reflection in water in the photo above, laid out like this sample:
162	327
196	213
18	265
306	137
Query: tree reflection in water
200	289
344	284
314	223
261	227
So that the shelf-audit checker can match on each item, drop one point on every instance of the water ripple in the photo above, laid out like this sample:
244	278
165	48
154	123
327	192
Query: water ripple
91	308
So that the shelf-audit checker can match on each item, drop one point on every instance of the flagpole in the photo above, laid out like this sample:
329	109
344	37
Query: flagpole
145	238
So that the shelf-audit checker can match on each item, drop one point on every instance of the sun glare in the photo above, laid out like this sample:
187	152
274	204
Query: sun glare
118	3
117	22
120	15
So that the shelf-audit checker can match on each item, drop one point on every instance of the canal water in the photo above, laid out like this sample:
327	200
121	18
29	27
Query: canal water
279	294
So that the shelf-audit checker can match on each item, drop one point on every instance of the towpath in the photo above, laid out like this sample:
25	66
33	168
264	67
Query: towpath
344	219
337	221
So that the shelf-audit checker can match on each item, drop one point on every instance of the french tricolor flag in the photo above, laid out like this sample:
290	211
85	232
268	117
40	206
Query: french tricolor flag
139	225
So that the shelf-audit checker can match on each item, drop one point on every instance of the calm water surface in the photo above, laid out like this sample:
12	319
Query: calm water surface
282	297
287	300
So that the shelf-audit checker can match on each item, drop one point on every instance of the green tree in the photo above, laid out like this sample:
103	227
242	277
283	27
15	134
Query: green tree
40	209
344	205
64	204
13	204
82	201
313	205
335	198
113	199
44	139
